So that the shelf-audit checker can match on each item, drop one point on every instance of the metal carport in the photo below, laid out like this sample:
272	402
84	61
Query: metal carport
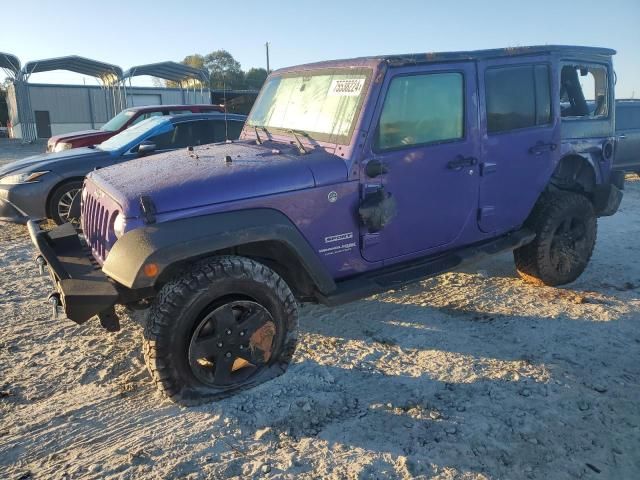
184	75
109	77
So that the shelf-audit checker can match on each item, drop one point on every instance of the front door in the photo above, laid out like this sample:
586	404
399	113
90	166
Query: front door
43	124
520	136
423	155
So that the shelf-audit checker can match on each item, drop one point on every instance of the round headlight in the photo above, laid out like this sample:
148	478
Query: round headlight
119	225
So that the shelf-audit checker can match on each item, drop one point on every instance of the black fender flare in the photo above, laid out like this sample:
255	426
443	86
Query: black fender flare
168	243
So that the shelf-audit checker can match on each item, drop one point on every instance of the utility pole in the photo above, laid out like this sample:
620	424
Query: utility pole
267	47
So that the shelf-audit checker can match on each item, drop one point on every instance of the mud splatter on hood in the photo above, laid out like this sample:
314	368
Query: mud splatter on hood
216	173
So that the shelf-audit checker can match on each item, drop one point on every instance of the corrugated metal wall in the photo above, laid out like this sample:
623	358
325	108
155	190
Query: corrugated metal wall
73	107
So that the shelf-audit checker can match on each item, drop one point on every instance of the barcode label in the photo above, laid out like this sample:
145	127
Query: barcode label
346	88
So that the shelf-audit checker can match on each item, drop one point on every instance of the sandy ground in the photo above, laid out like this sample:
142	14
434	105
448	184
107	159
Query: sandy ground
470	375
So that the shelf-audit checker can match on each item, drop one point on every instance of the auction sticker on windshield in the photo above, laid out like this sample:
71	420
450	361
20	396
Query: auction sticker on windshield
346	88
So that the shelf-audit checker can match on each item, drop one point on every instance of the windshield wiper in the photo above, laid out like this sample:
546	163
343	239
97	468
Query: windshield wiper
258	139
295	134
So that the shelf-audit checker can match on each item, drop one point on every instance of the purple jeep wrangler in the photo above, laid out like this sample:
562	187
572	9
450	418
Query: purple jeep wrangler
351	177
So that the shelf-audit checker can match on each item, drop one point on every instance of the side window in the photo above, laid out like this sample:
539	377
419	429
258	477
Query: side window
164	140
144	116
181	136
179	112
517	97
421	109
212	131
235	129
584	91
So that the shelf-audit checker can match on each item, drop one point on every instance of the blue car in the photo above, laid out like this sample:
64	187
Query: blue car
44	186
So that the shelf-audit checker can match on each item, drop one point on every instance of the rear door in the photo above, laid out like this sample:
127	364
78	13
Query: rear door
521	139
426	142
627	154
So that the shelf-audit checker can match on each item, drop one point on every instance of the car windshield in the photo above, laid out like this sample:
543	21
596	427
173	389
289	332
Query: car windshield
323	104
118	121
132	135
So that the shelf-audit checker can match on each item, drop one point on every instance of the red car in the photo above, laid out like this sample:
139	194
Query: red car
121	122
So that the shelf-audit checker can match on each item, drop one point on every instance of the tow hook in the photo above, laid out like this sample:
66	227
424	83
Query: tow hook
41	262
54	300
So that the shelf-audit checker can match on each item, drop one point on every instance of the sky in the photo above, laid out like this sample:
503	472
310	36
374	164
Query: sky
129	33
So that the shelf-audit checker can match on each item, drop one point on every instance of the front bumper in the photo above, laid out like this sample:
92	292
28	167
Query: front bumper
11	213
24	201
83	289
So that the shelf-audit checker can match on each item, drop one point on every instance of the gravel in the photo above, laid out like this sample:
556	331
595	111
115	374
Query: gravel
468	375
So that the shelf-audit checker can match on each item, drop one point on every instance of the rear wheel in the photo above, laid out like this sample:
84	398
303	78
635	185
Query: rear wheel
227	324
565	224
61	201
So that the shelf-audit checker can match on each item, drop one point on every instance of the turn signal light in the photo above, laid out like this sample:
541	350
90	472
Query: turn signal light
151	269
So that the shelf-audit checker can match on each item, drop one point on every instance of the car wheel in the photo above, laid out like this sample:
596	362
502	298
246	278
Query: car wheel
566	226
61	201
224	325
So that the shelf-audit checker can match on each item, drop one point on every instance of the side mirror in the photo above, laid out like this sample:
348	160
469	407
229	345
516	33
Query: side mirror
146	148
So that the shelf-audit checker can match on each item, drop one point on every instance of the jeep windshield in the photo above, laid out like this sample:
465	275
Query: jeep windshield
323	104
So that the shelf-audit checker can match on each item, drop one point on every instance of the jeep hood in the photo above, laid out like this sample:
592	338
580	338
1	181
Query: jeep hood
213	174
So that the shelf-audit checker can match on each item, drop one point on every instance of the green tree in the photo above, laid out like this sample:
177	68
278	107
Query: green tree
196	60
255	78
224	70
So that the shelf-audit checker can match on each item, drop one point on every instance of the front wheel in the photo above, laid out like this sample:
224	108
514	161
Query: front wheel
566	226
60	203
227	324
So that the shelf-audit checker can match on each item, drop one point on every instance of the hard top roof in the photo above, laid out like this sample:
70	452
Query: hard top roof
496	53
432	57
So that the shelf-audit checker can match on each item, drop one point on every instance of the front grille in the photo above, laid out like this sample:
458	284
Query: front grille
97	218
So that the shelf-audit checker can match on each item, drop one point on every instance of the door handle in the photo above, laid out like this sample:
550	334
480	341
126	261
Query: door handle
461	161
542	147
622	137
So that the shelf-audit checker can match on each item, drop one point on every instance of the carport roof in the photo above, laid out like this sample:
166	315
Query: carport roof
175	72
73	63
9	62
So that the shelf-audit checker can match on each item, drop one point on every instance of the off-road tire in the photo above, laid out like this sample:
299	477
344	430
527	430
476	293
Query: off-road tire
57	195
536	262
179	306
